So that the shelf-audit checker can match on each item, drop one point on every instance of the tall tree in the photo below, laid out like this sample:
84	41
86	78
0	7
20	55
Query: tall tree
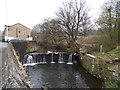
108	23
51	31
73	18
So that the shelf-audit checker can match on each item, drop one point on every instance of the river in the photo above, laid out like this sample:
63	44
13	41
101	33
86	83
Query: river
61	76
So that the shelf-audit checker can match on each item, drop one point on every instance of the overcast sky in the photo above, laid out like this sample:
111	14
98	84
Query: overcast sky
32	12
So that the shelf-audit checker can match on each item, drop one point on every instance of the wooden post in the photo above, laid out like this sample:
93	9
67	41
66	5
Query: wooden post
101	48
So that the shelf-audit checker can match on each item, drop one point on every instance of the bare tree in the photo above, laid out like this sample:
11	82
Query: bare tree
87	26
73	17
49	35
51	31
37	28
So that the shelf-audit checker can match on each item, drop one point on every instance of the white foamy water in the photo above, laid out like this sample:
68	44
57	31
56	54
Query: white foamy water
30	64
52	62
69	63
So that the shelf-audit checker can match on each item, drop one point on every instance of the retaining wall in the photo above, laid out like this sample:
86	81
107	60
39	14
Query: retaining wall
107	71
21	47
14	75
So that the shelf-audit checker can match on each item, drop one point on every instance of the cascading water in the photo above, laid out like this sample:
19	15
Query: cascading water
44	59
33	58
60	60
70	59
40	59
52	61
30	61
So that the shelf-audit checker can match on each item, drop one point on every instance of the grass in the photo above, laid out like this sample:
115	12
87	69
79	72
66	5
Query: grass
111	55
29	50
115	51
114	84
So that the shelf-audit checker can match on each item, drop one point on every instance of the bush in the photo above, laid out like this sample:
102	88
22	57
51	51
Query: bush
60	47
29	50
109	42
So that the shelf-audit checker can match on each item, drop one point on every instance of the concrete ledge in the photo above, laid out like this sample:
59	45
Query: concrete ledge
91	56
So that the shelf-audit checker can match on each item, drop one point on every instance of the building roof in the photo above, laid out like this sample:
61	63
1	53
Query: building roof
17	24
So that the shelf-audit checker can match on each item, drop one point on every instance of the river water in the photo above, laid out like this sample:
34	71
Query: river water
61	76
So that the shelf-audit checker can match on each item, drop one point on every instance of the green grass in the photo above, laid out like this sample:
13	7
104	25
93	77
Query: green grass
62	41
29	50
115	51
111	55
114	84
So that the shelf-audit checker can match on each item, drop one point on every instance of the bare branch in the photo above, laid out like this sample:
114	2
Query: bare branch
72	16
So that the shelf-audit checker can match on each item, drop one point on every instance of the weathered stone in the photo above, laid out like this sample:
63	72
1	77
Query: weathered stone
100	69
12	76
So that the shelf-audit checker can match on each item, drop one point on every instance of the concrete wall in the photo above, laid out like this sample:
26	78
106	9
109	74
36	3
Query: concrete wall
14	75
107	71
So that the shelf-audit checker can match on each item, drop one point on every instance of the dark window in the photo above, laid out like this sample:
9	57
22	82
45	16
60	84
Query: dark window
19	31
28	36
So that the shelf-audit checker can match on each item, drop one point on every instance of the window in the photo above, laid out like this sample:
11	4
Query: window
19	31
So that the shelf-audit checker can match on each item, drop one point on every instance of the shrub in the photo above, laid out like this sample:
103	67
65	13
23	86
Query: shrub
29	50
109	40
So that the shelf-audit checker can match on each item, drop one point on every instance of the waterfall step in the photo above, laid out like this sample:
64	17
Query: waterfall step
60	62
33	64
69	63
42	62
52	62
33	59
30	64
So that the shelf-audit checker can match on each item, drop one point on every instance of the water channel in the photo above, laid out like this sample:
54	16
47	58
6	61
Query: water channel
61	76
58	71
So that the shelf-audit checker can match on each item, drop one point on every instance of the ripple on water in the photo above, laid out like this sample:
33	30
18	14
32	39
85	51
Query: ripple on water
61	76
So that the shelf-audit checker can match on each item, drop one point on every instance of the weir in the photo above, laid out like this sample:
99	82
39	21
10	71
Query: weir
60	58
40	58
52	58
70	59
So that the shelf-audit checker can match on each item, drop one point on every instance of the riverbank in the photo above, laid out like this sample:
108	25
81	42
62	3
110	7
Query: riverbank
97	66
103	68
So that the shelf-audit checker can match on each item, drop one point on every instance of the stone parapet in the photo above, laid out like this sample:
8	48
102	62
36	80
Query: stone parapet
14	75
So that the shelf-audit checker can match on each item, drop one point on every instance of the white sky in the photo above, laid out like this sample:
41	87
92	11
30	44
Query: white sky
32	12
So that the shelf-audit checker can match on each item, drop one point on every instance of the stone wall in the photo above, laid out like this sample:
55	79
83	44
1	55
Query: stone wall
18	31
107	71
21	47
14	75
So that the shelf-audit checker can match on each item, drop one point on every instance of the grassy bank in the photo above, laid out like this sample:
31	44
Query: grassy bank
104	66
110	56
113	58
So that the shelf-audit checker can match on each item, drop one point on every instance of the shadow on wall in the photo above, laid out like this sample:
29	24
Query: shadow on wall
22	46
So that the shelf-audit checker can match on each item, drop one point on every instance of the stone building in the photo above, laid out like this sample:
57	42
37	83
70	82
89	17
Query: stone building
17	31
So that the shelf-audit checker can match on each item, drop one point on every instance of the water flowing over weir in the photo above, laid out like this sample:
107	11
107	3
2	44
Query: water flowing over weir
40	58
56	70
60	58
52	58
70	59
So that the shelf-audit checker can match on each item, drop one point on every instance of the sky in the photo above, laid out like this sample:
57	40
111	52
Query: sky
32	12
